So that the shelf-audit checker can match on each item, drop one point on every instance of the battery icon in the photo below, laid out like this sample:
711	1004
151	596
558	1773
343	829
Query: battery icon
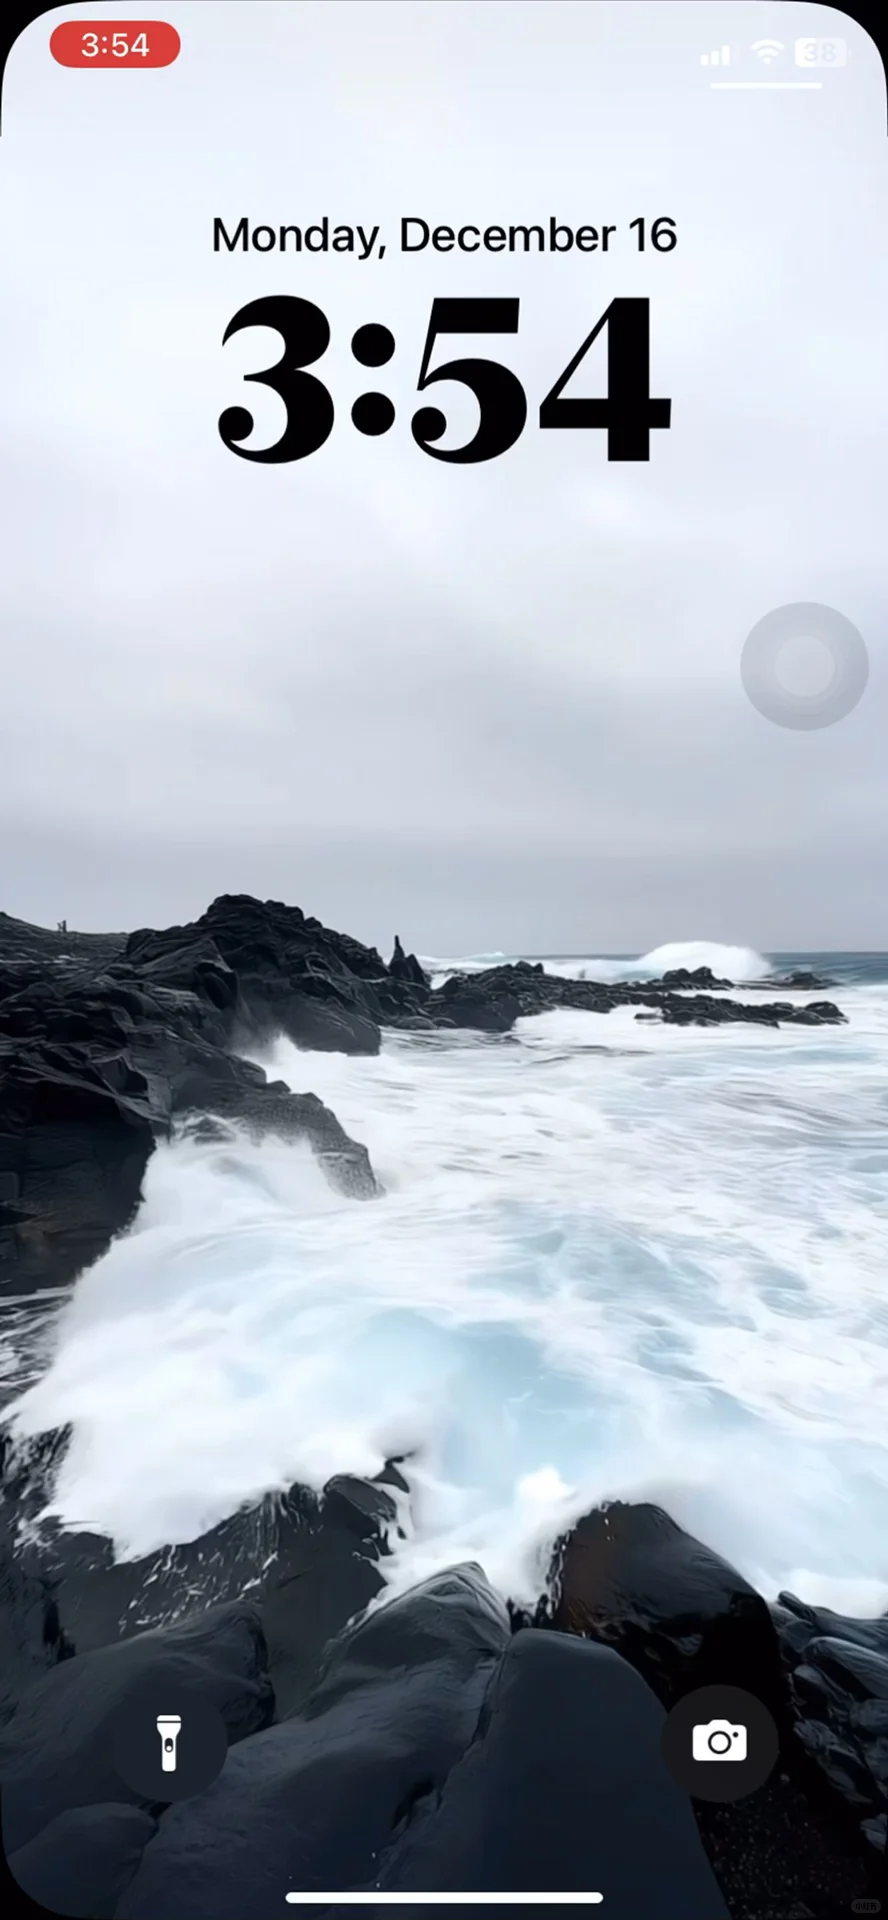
821	53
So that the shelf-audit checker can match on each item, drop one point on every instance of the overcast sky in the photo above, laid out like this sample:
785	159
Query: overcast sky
495	706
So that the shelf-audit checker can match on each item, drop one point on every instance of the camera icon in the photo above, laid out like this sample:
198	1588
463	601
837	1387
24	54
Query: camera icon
718	1740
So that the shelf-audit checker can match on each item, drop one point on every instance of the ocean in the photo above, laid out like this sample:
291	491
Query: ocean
612	1259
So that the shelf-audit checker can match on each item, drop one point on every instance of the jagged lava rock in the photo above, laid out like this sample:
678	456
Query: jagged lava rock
322	989
313	1562
491	1001
693	977
405	966
105	1048
838	1678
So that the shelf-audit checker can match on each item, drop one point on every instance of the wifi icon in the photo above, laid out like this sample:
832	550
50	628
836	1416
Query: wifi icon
768	50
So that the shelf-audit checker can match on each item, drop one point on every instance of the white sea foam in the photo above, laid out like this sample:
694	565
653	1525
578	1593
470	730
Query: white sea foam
656	1271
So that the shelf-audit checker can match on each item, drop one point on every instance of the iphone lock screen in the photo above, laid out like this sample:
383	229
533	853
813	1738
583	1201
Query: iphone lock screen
444	959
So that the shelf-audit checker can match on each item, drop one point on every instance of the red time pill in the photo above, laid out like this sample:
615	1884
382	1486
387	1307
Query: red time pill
114	43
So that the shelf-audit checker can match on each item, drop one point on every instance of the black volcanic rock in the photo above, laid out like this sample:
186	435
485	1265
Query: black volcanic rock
697	977
838	1680
405	966
78	1125
485	1004
81	1863
327	1571
461	1757
31	1636
798	1624
565	1771
55	1751
491	1001
321	989
73	1153
106	1044
632	1579
436	1741
310	1561
45	945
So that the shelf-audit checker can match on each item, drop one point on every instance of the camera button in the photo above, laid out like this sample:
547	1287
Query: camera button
720	1743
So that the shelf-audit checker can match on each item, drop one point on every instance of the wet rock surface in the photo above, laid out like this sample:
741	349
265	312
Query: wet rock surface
441	1739
813	1837
837	1670
629	1577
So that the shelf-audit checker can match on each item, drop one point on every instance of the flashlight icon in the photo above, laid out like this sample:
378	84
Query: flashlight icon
168	1726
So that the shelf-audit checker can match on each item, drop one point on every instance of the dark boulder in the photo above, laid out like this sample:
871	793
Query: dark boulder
684	1618
563	1774
438	1751
55	1750
81	1863
467	1000
47	946
629	1577
696	977
315	1801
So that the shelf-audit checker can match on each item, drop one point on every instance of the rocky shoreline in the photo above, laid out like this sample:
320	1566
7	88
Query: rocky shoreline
108	1042
444	1739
